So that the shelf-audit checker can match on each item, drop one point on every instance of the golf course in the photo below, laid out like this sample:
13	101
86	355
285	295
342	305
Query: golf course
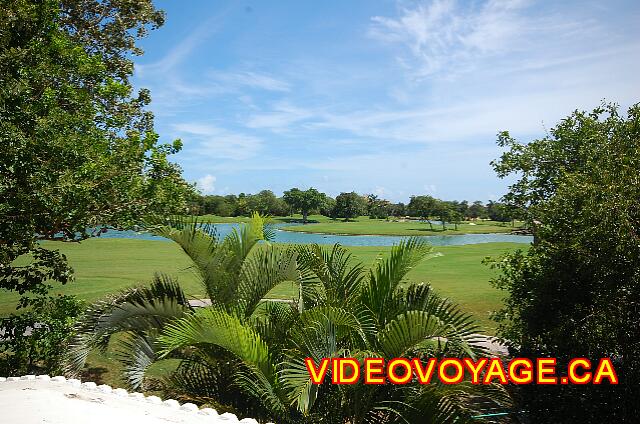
105	266
368	226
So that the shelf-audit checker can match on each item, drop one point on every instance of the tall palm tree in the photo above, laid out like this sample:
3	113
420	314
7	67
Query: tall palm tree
251	358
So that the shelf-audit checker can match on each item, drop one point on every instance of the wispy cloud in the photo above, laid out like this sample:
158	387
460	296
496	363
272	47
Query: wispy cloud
448	36
395	102
280	117
242	79
206	184
184	48
203	140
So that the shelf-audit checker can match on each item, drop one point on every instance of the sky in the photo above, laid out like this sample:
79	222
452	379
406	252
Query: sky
395	98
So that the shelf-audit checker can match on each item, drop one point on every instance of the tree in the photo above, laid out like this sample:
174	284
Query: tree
304	201
327	207
216	205
576	291
250	359
398	209
377	208
349	206
497	211
266	203
423	207
477	210
463	208
444	212
79	152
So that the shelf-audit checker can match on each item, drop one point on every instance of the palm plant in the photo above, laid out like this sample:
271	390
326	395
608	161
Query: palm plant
235	273
251	358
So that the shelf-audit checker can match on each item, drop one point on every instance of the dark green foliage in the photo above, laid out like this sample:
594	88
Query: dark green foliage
349	206
304	201
34	341
264	202
79	152
576	291
378	208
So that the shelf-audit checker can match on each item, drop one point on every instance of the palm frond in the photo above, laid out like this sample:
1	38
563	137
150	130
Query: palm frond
463	334
386	275
407	330
198	240
136	353
219	328
256	376
138	311
261	272
241	240
330	273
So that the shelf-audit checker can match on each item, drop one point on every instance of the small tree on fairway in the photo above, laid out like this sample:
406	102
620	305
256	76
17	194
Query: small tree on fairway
304	201
349	206
423	207
477	210
443	211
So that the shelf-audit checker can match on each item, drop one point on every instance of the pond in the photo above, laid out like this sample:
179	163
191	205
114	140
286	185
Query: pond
346	240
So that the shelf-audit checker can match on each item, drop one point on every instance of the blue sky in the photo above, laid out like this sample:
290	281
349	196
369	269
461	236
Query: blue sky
388	97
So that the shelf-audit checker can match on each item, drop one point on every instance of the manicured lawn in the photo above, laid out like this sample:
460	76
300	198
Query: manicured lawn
365	225
106	266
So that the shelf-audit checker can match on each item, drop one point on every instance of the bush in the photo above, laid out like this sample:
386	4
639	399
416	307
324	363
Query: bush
34	340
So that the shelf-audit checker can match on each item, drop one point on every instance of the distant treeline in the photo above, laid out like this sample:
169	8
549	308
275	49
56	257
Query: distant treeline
349	205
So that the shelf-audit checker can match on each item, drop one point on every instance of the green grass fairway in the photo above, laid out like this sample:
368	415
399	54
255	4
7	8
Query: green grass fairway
105	266
365	225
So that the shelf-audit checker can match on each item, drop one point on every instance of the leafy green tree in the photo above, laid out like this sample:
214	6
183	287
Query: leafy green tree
328	207
423	207
378	208
398	209
349	206
250	360
304	201
477	210
455	217
29	347
444	211
576	291
217	205
463	208
498	211
79	152
266	203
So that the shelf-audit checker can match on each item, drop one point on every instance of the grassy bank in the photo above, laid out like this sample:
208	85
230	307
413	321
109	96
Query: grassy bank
365	225
399	228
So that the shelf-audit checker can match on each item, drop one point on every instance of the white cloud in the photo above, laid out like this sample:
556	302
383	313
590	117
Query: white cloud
206	140
251	79
448	37
381	191
206	184
280	117
430	188
182	49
